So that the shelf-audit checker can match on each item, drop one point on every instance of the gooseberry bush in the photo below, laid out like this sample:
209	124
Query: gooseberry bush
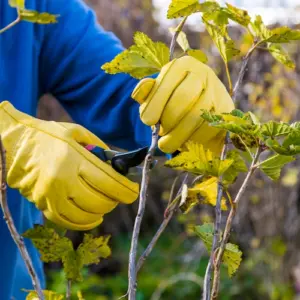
249	146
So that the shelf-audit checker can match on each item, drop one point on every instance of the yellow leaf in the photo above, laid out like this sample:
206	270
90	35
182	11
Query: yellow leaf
280	55
224	44
142	59
37	17
49	295
206	192
198	54
200	161
183	8
17	3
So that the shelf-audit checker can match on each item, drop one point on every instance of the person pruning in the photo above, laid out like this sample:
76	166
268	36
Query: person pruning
48	167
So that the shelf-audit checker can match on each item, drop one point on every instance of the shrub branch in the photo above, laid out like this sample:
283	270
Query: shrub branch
18	239
132	269
218	219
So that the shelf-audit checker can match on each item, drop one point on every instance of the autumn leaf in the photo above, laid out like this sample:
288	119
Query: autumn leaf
198	54
198	160
54	247
232	256
274	129
283	35
51	246
225	45
183	8
142	59
259	28
238	15
205	192
280	55
37	17
92	249
48	295
17	3
273	165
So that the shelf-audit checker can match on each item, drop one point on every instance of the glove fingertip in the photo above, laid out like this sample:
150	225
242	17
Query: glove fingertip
142	90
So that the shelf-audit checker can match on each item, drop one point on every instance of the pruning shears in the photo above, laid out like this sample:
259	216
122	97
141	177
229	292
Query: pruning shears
126	163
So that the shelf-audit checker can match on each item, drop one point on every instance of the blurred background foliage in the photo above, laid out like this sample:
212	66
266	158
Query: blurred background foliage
267	227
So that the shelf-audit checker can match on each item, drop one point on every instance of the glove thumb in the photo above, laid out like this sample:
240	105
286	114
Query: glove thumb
143	89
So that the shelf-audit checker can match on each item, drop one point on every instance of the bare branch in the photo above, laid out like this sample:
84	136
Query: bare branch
18	239
161	228
225	238
69	290
132	273
139	217
218	219
12	24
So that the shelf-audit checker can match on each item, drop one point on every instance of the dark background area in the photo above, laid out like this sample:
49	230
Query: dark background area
267	228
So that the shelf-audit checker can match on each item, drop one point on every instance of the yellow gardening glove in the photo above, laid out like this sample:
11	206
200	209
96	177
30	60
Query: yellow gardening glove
48	165
183	88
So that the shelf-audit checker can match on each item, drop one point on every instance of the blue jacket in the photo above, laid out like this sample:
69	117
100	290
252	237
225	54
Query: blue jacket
63	59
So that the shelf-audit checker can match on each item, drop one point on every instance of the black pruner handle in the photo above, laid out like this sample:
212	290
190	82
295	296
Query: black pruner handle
122	162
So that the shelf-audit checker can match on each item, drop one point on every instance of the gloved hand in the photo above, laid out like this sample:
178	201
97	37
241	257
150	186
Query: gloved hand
48	165
176	97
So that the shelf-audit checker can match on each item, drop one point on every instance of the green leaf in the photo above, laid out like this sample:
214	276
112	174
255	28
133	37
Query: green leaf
92	249
232	256
37	17
73	265
273	165
198	160
17	3
273	129
260	29
283	35
226	46
206	233
59	230
181	39
219	17
51	246
142	59
238	15
198	54
236	168
280	55
48	295
183	8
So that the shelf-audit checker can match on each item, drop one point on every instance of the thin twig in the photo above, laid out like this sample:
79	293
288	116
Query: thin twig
12	24
229	79
225	238
132	273
217	229
161	228
138	220
217	226
11	226
175	36
69	289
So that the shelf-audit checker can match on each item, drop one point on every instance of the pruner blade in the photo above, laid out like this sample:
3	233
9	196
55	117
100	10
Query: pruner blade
126	163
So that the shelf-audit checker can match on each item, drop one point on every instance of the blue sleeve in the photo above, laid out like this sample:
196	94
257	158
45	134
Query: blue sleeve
72	53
